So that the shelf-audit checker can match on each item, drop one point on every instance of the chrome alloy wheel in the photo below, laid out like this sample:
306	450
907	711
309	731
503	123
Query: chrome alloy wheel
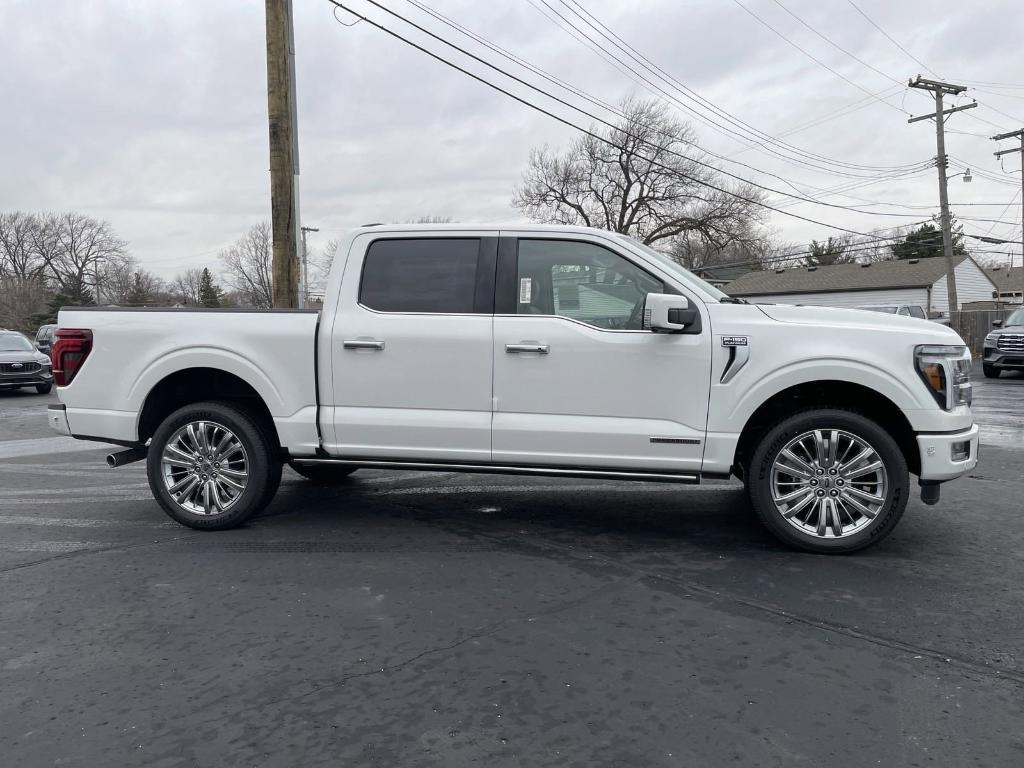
829	483
205	468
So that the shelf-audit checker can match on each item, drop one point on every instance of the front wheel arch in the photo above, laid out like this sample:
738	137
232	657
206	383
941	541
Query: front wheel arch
827	394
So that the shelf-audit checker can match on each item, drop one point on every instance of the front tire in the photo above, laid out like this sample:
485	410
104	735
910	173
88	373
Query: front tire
212	466
44	389
990	371
828	481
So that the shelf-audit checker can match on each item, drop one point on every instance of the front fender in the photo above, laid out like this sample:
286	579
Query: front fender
748	397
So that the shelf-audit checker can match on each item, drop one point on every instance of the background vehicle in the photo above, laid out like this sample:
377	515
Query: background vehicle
22	365
44	338
534	350
907	310
1004	347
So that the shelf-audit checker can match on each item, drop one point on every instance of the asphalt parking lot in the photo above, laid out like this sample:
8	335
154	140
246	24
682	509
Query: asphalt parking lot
456	620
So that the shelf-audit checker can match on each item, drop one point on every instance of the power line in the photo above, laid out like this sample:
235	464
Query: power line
813	58
592	99
604	31
573	125
891	39
836	45
592	116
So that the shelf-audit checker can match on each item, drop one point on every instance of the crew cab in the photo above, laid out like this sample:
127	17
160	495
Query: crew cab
534	350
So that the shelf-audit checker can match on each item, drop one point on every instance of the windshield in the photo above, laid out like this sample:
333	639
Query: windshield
673	266
15	342
886	310
1016	318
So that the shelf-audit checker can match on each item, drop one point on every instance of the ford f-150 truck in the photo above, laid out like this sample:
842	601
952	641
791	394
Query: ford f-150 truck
531	350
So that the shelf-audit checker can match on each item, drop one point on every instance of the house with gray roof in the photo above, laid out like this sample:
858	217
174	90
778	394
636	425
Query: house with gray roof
912	282
1009	282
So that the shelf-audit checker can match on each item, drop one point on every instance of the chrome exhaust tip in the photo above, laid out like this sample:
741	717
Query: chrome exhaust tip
120	458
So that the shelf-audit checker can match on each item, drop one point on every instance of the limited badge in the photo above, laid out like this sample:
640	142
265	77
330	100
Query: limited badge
734	341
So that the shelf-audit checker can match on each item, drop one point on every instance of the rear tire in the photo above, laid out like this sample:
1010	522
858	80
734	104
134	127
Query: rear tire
219	446
990	371
837	503
44	389
323	474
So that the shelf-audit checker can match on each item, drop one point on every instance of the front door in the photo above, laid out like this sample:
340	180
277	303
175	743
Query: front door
411	349
577	381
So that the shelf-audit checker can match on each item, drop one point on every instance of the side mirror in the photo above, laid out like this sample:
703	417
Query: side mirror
664	313
997	323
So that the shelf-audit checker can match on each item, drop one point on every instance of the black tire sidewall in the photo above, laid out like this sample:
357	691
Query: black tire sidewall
990	372
260	485
759	479
44	389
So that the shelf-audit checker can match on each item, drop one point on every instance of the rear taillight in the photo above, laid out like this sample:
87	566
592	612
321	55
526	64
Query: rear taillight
70	348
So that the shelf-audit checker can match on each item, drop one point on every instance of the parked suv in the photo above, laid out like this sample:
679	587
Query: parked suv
22	365
44	338
1004	347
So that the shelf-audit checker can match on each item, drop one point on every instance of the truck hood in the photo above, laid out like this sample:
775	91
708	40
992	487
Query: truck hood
860	318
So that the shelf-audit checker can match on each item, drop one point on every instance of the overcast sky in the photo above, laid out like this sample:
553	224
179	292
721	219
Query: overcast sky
152	115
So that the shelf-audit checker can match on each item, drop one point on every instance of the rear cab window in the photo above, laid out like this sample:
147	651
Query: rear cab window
431	275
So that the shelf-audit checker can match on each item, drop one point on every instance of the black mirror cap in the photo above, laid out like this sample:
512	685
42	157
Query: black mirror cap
997	323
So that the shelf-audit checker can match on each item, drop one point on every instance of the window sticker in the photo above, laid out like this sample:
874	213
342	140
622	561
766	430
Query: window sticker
525	290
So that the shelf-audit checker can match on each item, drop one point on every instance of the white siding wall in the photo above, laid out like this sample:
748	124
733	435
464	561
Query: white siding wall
912	296
972	284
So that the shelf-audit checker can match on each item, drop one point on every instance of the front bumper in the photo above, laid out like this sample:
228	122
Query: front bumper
1003	359
938	462
42	376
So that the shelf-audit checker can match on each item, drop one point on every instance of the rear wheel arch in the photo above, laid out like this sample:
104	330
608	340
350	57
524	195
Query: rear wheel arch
834	394
200	384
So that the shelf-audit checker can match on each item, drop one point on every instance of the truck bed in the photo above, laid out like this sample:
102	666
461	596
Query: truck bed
274	351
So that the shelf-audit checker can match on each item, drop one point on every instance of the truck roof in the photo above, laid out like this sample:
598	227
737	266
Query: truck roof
456	226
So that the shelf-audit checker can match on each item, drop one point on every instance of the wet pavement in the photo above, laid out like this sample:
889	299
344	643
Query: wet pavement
456	620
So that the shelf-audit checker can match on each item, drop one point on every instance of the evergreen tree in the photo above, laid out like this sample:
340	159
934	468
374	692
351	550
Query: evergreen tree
209	292
926	242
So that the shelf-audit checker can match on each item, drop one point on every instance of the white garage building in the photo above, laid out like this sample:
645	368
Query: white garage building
914	282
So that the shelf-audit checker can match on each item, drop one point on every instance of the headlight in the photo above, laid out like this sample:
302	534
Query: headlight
990	340
946	371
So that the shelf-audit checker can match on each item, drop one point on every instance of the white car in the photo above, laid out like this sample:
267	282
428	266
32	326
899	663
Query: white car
532	350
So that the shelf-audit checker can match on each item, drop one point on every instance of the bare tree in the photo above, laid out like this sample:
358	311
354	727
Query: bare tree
19	257
76	247
20	299
124	282
248	266
644	177
185	286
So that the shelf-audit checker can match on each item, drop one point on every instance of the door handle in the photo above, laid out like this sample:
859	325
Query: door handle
540	349
363	344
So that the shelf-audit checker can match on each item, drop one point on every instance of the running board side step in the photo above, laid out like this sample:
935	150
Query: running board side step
499	469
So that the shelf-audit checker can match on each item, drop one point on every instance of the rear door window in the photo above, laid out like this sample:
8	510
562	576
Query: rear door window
430	275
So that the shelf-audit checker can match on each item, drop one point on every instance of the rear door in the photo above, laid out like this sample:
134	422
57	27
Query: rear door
411	349
577	381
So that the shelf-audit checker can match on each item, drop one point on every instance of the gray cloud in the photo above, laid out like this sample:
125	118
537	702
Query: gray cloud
153	115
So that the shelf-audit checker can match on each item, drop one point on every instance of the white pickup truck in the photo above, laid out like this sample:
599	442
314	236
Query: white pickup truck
533	350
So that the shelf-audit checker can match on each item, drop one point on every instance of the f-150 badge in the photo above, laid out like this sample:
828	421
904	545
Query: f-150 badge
734	341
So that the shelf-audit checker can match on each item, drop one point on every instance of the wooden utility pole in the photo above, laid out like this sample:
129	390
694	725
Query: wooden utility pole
284	152
1016	135
939	89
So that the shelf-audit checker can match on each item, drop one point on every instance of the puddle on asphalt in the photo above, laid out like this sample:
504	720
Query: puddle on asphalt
1002	436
